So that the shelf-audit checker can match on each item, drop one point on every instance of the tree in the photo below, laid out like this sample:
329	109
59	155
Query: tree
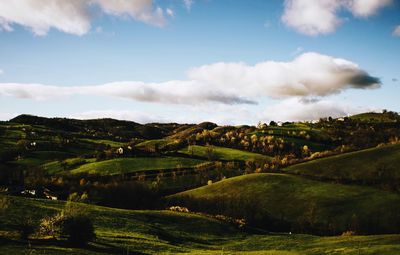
210	152
25	226
78	229
76	225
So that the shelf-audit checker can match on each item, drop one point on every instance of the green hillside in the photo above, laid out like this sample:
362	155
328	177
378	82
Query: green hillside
371	166
128	165
222	153
282	202
376	117
163	232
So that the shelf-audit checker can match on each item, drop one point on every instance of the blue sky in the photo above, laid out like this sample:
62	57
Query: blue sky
78	68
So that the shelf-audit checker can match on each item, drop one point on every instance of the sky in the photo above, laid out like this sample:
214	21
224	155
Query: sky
188	61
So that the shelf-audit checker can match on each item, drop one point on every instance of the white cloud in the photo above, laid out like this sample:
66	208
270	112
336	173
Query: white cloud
1	71
73	16
170	12
188	4
310	74
137	116
313	17
141	10
295	109
396	31
171	92
292	109
366	8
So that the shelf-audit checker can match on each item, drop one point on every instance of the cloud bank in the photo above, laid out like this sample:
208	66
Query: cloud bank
313	17
171	92
73	16
292	109
310	74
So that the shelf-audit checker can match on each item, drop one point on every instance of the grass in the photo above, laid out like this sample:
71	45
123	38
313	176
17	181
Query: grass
223	153
164	232
296	201
293	130
151	144
105	142
373	117
59	166
366	165
40	158
128	165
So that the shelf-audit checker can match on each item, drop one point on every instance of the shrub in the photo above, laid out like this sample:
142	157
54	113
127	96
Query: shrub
50	226
348	233
78	229
25	228
4	203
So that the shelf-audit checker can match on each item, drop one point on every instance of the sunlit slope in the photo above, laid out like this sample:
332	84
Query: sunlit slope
371	166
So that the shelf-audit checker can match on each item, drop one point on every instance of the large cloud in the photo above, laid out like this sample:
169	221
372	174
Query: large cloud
310	74
172	92
313	17
72	16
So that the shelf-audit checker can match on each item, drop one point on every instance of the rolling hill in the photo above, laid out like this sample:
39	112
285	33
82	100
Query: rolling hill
281	202
222	153
379	166
164	232
129	165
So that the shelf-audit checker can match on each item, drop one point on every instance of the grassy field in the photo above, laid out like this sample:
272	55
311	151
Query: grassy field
297	203
104	142
373	117
369	165
152	144
128	165
222	153
163	232
58	166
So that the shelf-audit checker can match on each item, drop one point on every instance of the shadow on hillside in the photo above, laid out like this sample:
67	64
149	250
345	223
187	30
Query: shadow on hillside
96	246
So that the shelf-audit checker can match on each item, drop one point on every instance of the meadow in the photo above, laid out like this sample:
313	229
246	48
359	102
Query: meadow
165	232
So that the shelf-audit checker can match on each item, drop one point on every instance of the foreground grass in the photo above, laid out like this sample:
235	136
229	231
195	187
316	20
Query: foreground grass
299	203
372	165
223	153
163	232
128	165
